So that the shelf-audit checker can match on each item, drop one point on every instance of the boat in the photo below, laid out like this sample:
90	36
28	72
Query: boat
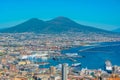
71	54
76	64
43	63
55	58
44	58
34	65
108	66
59	66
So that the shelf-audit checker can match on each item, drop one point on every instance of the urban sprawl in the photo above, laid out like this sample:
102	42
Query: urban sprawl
18	49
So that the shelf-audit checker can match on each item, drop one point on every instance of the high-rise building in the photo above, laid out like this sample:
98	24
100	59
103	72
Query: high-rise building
64	71
52	70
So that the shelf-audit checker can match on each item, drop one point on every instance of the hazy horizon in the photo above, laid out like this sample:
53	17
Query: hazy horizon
100	26
104	14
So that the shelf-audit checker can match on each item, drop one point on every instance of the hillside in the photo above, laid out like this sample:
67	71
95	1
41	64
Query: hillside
56	25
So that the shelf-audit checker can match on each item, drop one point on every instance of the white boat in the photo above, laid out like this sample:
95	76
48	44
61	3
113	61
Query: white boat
76	64
108	65
44	58
71	54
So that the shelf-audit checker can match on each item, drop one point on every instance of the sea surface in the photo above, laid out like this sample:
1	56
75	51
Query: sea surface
94	56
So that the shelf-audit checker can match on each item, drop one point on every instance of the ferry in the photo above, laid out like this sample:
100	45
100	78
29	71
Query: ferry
59	66
71	54
108	66
76	64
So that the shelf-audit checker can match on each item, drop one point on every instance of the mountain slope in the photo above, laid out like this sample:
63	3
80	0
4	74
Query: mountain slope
56	25
116	30
32	25
65	24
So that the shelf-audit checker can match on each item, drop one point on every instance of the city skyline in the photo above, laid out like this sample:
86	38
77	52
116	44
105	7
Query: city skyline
100	14
59	40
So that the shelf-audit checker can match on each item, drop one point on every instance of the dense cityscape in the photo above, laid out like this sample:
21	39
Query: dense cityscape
20	54
59	39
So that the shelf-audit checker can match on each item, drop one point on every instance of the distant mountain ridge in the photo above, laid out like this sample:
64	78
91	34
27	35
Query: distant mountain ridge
116	30
56	25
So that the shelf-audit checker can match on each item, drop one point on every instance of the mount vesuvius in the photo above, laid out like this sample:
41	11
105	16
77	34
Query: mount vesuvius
56	25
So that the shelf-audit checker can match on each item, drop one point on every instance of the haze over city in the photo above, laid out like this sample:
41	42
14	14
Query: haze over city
59	39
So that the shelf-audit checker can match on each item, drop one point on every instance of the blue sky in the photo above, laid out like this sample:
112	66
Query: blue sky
103	14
